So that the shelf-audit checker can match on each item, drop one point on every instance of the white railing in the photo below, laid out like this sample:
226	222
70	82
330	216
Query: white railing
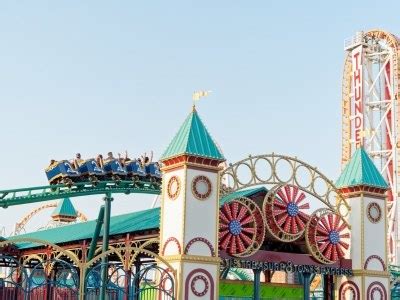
354	41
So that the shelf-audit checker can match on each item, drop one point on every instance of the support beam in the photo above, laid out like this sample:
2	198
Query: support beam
256	283
104	268
96	233
306	286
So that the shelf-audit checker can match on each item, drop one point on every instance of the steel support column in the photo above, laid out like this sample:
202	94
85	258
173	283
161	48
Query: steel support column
256	284
96	233
306	286
104	268
329	287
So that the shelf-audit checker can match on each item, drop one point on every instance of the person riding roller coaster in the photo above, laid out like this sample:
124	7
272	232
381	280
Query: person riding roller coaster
124	160
77	161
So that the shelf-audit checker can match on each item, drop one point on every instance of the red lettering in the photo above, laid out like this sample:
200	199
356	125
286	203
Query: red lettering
358	122
357	88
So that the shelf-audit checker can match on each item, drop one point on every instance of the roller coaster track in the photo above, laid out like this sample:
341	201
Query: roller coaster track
53	192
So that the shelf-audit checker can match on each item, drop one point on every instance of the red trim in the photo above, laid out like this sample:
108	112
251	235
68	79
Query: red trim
376	286
192	159
171	239
203	240
362	188
189	281
377	257
349	285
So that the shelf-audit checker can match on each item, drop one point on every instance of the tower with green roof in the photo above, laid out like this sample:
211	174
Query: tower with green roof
65	211
190	209
364	189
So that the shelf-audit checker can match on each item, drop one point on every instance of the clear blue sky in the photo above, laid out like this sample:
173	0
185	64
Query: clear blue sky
99	76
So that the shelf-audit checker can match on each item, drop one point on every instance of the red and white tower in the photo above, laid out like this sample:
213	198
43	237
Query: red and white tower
364	188
370	94
190	210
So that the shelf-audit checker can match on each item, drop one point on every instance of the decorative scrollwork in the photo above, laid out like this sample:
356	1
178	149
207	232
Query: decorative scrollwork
327	236
193	284
374	212
349	290
273	169
174	187
155	278
169	240
242	227
378	258
201	187
202	240
376	290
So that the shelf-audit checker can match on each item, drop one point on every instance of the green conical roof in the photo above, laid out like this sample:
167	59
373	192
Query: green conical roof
193	139
65	208
361	170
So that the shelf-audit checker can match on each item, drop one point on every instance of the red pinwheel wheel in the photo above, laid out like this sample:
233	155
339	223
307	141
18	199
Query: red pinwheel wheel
327	237
285	215
241	227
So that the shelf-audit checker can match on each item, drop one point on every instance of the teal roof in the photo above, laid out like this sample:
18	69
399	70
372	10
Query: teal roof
361	170
65	208
241	193
193	139
132	222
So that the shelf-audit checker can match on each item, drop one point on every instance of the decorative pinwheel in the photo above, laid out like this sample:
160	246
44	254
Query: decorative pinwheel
241	227
285	216
327	237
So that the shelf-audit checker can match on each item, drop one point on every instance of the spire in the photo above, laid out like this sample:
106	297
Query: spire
361	171
64	211
193	139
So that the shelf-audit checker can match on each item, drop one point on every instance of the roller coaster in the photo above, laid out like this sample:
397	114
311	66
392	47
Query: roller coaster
52	192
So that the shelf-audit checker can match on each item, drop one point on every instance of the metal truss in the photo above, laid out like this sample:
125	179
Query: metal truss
379	133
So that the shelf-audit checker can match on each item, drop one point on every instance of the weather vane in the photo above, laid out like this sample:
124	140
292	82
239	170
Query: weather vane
199	94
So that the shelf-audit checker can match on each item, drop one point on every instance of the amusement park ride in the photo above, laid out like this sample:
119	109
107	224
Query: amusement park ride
371	115
263	214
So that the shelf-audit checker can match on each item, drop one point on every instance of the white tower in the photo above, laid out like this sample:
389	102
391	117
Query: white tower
189	210
364	188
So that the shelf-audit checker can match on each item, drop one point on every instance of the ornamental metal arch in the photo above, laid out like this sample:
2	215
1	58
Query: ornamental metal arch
77	267
279	170
70	255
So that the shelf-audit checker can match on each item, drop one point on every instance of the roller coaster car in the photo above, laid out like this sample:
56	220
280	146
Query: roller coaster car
90	170
135	171
62	172
114	170
153	172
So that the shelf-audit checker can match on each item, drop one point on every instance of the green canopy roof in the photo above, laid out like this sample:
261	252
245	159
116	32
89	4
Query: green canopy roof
193	139
65	208
361	170
132	222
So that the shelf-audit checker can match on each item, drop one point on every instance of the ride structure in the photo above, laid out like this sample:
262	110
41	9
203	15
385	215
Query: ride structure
262	219
64	213
370	114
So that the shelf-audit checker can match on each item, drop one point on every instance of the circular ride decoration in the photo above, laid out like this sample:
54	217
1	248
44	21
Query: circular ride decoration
284	210
194	287
327	236
201	187
241	227
174	187
374	212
